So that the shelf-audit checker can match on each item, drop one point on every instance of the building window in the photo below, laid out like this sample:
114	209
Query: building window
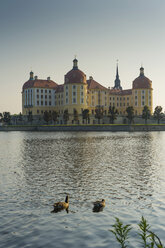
74	93
81	87
74	100
66	100
127	98
120	104
82	100
117	104
37	96
74	86
142	91
113	98
38	111
123	98
41	91
37	102
135	97
49	97
92	112
142	103
49	103
135	103
110	98
45	96
66	93
117	98
41	96
49	91
45	103
41	102
81	93
124	104
41	111
142	97
45	91
37	90
127	103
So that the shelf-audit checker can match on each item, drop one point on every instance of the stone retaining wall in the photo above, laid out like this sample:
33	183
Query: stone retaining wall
111	128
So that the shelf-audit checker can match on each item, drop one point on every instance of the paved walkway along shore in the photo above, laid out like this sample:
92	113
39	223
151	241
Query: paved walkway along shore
86	128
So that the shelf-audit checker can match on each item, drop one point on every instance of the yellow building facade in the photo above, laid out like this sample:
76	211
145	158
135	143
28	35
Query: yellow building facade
78	93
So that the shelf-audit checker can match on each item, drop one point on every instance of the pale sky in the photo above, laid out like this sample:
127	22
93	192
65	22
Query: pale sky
45	35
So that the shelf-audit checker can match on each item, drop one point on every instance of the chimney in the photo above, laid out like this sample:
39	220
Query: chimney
90	78
48	78
36	77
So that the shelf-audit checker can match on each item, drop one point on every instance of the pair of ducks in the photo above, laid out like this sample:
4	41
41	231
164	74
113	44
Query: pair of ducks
58	206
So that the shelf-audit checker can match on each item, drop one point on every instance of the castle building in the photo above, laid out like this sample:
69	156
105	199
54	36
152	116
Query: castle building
78	93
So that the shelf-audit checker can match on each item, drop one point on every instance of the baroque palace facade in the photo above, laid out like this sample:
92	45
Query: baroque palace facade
78	93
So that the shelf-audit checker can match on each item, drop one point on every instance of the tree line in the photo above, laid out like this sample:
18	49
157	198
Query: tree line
113	112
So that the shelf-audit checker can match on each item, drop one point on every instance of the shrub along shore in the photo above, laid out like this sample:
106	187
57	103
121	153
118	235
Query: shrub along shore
86	128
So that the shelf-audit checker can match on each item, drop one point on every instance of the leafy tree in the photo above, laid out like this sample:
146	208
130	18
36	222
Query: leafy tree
66	116
47	116
85	114
20	118
6	117
130	113
55	116
75	115
158	114
1	117
146	113
99	112
113	112
30	116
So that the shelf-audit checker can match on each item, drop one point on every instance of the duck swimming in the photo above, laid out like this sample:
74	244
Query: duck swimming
58	206
98	206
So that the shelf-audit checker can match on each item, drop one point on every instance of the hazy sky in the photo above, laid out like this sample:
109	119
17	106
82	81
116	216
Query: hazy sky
44	35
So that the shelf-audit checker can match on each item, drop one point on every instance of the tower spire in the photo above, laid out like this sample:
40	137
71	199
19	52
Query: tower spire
117	80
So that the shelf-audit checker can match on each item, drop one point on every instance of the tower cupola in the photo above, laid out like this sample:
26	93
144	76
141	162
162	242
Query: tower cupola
75	64
31	75
141	71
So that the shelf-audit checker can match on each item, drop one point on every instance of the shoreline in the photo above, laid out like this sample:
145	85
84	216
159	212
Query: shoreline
86	128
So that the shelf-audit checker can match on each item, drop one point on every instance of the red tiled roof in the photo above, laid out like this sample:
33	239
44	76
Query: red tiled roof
92	84
142	82
120	92
75	76
60	88
39	83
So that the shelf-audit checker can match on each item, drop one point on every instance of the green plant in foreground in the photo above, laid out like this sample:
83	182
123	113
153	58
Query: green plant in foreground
121	232
149	238
148	235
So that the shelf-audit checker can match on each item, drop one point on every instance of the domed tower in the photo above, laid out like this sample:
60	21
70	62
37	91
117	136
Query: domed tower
75	90
142	93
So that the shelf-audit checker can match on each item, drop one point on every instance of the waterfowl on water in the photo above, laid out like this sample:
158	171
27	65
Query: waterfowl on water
58	206
99	204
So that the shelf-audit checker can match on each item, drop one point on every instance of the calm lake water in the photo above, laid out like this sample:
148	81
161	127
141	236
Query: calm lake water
39	168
